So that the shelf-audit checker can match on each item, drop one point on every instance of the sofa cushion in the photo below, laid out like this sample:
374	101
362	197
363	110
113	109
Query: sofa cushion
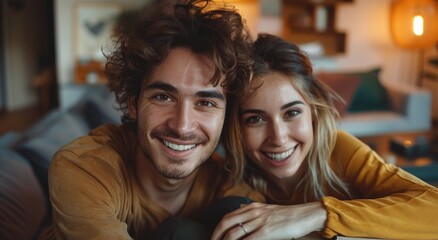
22	202
40	148
342	84
97	107
371	95
10	139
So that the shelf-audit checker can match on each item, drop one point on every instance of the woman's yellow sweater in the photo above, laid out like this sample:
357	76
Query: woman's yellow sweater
388	202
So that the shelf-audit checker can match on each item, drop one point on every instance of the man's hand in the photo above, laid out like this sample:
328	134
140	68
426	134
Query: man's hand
268	221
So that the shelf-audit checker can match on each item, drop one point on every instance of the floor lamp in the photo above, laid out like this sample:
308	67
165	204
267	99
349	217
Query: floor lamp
414	26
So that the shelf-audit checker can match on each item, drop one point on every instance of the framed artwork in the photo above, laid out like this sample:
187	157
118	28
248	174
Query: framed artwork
92	27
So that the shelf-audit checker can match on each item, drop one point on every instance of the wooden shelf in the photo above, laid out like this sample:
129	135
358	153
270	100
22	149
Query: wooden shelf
91	72
313	21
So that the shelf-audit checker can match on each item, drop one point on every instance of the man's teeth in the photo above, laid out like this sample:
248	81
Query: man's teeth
280	156
177	147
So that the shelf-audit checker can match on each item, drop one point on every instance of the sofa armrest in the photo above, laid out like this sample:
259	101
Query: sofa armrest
412	102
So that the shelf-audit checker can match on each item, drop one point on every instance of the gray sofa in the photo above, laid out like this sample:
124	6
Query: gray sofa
373	107
410	111
25	158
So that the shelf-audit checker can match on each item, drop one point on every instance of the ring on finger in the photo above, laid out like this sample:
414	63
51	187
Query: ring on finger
243	228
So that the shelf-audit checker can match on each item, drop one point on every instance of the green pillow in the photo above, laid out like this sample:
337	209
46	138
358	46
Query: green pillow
371	95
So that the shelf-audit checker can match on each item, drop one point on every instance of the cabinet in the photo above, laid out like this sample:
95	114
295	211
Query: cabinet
306	21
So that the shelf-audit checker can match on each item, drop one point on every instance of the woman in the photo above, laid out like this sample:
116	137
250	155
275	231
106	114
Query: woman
314	178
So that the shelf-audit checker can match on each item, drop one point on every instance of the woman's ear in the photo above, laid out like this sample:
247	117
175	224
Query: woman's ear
132	107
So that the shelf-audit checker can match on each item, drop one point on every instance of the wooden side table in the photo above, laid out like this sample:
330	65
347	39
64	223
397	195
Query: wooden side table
424	167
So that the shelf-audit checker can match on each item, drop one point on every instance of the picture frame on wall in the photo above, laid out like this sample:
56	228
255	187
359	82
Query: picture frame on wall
93	22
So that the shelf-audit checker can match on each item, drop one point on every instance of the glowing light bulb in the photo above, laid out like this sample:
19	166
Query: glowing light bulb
417	25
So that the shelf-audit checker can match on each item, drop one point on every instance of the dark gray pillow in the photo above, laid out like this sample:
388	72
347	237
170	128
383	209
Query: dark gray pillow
39	149
22	202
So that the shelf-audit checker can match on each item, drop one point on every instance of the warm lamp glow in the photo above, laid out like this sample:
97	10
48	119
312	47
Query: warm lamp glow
417	25
414	23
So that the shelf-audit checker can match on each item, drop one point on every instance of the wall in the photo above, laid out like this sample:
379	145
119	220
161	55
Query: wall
369	43
366	23
64	10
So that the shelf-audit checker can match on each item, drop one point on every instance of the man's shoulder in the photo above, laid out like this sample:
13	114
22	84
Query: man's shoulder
108	137
107	145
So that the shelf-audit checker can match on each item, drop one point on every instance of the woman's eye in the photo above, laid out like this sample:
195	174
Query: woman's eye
253	120
162	97
292	113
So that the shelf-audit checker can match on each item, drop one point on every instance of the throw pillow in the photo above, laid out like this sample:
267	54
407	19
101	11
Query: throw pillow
371	95
344	85
22	203
40	148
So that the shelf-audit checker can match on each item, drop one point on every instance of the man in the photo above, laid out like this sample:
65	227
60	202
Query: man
173	72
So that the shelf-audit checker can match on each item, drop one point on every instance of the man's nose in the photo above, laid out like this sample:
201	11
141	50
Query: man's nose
183	119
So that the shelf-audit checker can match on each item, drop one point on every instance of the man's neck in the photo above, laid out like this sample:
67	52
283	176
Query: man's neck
170	194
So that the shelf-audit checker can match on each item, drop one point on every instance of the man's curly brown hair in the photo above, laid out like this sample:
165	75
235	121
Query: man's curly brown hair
143	39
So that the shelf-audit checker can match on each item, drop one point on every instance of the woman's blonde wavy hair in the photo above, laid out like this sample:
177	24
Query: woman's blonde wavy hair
274	54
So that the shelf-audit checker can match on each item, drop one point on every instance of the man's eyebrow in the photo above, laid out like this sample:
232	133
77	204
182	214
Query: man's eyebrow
211	94
162	86
258	111
169	88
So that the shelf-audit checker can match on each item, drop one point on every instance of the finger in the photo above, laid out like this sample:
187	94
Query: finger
237	232
231	220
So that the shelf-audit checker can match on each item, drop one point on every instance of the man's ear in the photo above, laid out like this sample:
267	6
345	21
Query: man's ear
132	107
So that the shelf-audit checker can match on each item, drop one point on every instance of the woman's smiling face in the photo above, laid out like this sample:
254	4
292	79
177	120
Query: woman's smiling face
277	126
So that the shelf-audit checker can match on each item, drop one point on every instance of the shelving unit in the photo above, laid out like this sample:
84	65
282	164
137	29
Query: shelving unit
309	21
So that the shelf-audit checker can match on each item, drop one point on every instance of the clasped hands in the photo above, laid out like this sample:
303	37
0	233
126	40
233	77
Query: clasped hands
268	221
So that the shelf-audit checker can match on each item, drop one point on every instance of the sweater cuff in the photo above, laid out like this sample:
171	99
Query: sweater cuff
332	219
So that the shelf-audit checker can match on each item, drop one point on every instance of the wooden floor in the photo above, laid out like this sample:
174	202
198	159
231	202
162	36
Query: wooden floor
19	120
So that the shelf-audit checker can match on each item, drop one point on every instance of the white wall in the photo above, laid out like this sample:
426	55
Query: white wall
369	42
64	10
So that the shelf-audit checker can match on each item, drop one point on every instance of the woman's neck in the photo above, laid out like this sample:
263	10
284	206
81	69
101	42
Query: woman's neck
285	188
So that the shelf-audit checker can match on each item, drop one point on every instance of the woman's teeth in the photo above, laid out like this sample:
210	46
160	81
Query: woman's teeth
178	147
280	156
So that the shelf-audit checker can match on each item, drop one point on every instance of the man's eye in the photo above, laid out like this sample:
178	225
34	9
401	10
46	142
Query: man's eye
207	104
162	97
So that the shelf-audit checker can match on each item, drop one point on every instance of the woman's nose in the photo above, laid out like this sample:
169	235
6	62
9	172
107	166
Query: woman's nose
279	133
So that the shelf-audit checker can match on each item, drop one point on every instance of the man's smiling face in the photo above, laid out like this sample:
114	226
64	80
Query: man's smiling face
179	114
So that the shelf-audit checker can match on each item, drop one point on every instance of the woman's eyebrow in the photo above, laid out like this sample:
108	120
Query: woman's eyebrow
253	111
288	105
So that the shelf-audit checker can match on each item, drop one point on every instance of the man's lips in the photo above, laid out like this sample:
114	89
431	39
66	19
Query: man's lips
178	147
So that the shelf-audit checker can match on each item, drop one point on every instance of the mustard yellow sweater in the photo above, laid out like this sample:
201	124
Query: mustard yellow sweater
388	202
95	194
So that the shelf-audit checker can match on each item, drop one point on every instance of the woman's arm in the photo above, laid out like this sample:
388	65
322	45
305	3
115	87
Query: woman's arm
387	201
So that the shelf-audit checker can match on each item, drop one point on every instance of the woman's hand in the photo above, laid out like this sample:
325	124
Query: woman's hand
267	221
